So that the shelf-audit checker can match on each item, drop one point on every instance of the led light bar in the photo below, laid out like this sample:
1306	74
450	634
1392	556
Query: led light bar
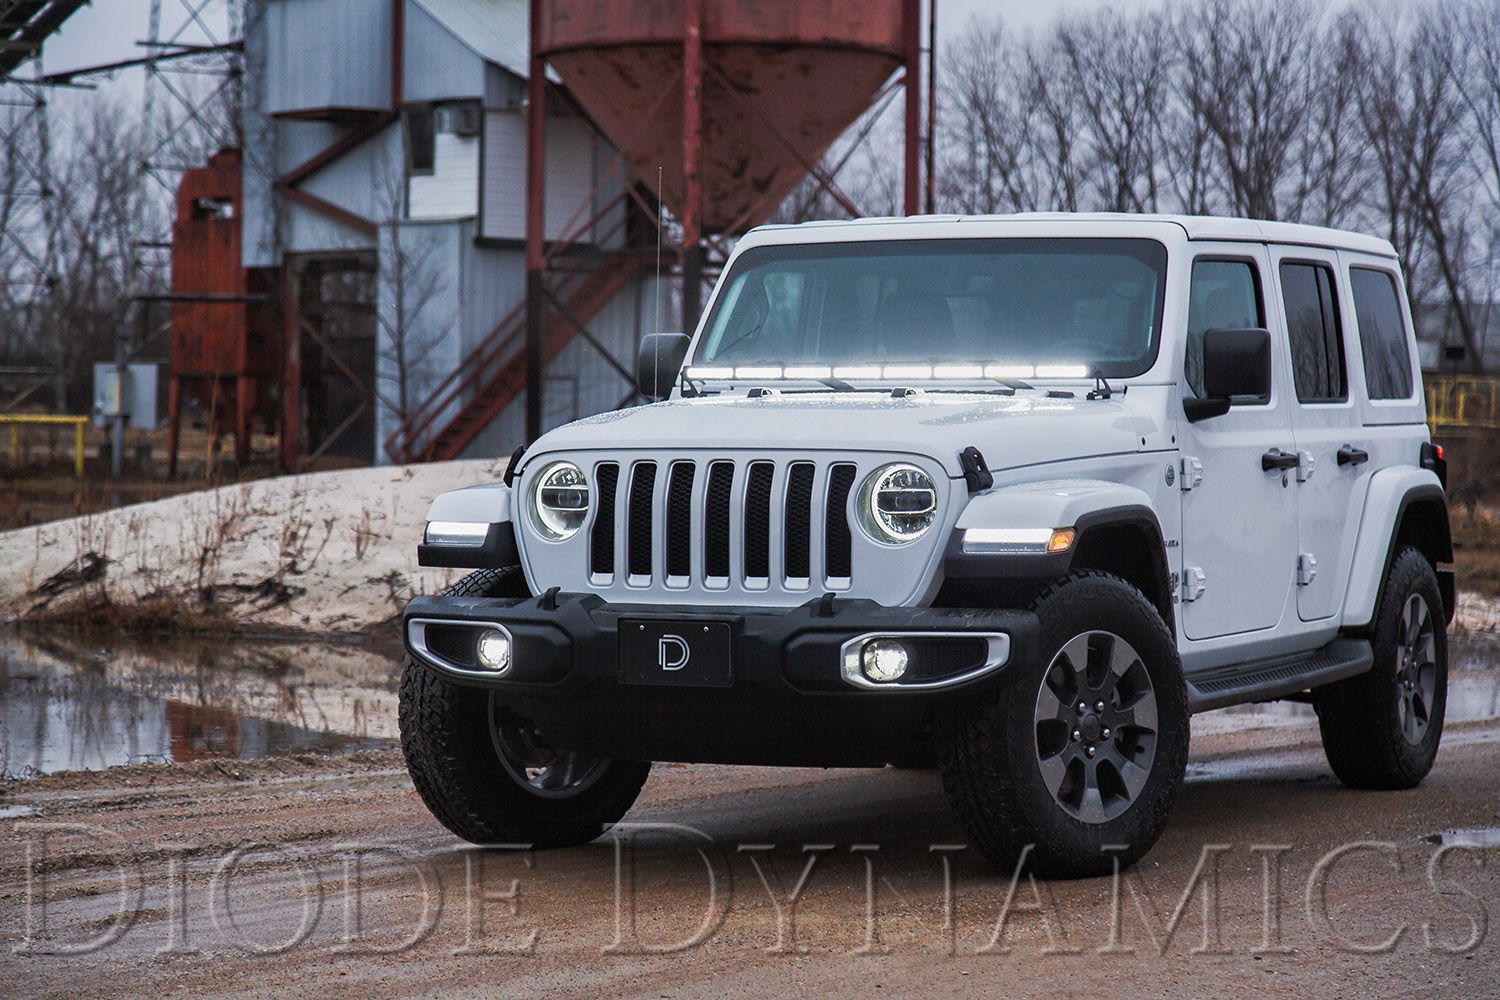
1061	371
808	371
958	371
908	371
758	371
1009	371
856	372
709	374
463	534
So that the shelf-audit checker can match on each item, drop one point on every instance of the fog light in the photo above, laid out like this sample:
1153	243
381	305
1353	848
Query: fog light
883	660
494	650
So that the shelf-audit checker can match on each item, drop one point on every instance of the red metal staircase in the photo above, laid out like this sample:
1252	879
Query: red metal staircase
487	381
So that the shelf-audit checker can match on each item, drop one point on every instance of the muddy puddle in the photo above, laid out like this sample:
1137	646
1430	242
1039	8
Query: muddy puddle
68	709
65	708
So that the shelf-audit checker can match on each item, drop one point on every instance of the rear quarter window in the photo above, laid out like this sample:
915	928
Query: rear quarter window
1382	333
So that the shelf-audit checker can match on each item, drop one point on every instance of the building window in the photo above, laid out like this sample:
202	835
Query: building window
418	133
1312	323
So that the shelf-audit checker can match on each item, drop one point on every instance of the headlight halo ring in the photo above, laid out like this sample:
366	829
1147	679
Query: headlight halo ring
560	501
898	503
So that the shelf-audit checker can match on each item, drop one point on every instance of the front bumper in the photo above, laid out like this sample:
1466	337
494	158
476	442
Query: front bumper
788	699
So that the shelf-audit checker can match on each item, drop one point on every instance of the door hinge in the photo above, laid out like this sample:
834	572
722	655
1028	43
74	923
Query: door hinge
1193	583
1305	464
1192	473
1307	569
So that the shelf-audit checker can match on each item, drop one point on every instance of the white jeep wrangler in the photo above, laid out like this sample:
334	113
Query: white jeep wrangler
1015	495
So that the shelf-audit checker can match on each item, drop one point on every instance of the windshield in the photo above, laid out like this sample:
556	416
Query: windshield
995	303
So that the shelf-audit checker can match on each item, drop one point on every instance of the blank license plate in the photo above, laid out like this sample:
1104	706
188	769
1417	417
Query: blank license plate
681	653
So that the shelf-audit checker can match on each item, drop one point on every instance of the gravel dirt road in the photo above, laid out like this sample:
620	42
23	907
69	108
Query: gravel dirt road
343	885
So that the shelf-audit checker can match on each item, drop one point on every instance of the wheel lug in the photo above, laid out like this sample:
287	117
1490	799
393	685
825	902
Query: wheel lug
1089	751
1082	708
1098	706
1105	734
1077	736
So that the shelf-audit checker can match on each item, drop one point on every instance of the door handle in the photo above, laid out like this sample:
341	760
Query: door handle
1276	459
1350	455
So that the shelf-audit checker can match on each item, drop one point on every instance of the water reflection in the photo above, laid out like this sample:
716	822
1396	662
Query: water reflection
67	709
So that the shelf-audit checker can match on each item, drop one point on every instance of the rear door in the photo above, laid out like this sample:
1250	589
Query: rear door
1314	304
1238	520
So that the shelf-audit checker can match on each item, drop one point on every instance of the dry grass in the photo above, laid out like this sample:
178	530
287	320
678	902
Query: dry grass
1476	543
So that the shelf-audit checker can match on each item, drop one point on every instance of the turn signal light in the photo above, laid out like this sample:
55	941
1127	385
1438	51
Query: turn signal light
1061	540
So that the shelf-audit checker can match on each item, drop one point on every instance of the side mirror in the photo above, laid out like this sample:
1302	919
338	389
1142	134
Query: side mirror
1235	363
658	363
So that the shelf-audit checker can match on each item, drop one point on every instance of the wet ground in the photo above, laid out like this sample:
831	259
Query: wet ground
315	871
71	708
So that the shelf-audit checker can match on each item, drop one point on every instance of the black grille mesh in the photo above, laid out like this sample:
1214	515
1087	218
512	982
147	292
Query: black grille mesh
602	542
838	543
797	542
638	541
454	643
758	520
680	519
717	501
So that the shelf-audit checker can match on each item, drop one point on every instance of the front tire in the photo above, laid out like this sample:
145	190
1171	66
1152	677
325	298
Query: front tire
1381	729
1078	759
486	774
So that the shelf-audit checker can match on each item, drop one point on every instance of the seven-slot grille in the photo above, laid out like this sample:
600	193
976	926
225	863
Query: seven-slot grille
721	523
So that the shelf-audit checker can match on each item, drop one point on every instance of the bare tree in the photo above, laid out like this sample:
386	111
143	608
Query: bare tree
1244	61
1116	69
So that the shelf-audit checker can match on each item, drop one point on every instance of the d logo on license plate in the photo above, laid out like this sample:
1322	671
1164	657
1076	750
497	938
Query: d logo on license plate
672	652
680	653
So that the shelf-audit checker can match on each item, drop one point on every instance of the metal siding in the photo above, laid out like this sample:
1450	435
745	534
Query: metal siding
327	54
434	279
439	65
452	189
497	30
570	174
366	181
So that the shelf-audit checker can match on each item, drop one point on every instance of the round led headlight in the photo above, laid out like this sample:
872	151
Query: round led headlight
559	501
897	504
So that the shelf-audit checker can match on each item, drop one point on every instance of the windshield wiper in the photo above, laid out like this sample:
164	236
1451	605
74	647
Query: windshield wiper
1101	389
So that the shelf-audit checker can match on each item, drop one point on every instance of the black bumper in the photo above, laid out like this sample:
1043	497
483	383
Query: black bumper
785	700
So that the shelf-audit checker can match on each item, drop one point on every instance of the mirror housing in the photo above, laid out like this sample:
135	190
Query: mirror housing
1235	363
658	363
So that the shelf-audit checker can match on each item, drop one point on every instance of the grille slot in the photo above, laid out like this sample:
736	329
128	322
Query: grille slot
758	520
680	520
642	501
797	530
717	500
838	542
602	539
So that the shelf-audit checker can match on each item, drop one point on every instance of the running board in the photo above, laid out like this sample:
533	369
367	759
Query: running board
1263	680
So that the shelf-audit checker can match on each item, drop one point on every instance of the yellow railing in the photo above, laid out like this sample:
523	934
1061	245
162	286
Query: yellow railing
19	420
1462	402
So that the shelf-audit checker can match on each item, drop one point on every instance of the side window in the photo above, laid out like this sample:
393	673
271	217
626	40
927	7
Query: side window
1382	333
1225	295
1312	322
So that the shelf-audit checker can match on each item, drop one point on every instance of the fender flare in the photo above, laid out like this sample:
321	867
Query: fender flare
1391	493
486	503
1081	504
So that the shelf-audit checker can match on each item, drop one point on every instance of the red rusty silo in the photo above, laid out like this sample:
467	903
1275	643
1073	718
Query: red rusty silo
223	338
748	93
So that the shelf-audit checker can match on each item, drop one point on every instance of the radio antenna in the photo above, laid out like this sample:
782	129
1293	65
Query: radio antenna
658	247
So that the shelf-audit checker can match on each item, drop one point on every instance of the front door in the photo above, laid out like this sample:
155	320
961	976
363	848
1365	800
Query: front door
1239	525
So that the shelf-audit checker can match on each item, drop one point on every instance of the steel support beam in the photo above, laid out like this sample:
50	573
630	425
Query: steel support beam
536	192
911	24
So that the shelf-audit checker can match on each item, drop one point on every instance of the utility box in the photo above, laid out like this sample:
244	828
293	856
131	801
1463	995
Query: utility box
135	399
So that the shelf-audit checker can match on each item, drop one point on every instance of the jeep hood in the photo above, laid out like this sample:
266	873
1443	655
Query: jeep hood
1024	429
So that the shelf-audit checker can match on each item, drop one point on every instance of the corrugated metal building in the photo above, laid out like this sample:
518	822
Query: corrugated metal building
387	188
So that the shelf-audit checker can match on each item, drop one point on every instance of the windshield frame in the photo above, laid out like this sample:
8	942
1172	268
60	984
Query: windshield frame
944	245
